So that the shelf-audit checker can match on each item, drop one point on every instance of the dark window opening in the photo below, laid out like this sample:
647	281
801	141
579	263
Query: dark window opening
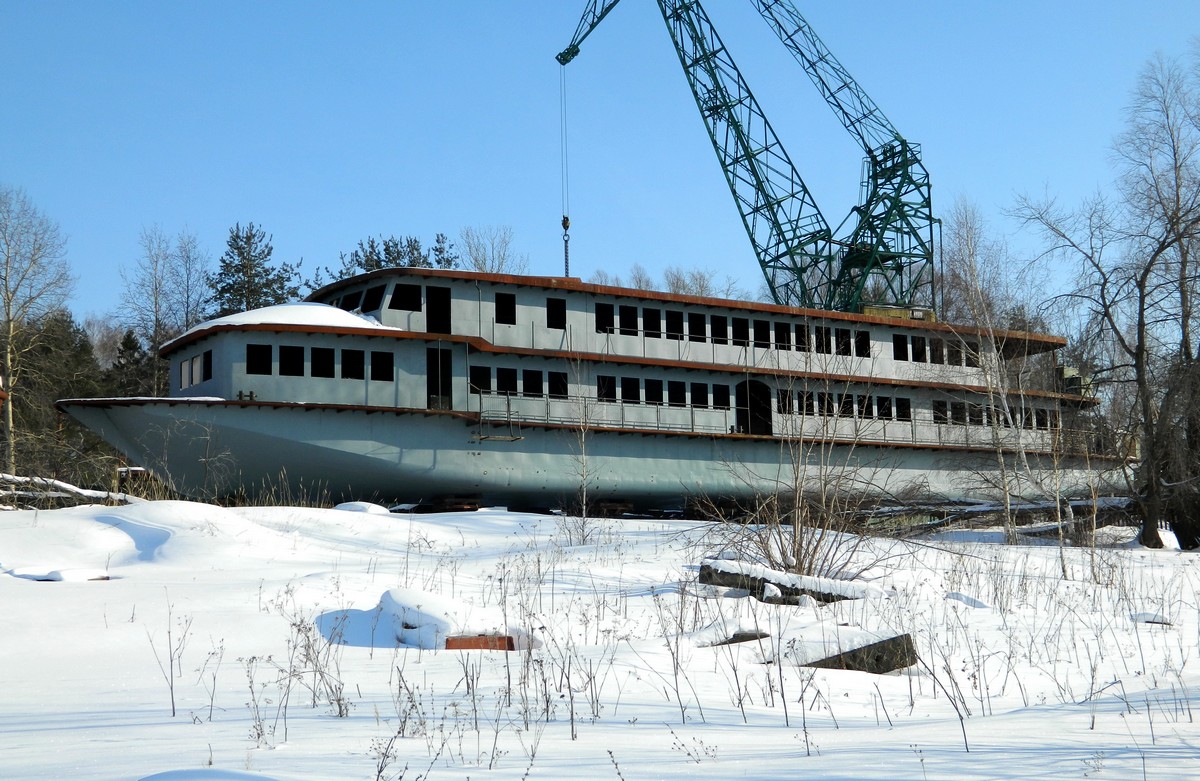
383	367
437	316
900	347
719	327
373	299
971	354
674	324
697	326
958	412
863	403
629	320
291	361
354	365
937	350
824	339
846	405
918	349
606	388
862	344
802	342
631	390
531	382
806	403
206	369
480	379
975	414
350	301
258	359
940	413
883	407
783	336
903	409
556	313
604	318
676	393
784	401
652	323
843	341
322	361
741	331
825	403
406	296
506	381
762	333
558	385
654	391
438	377
1043	418
506	308
720	396
699	394
954	354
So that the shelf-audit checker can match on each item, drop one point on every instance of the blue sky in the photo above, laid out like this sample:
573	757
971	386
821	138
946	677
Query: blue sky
326	123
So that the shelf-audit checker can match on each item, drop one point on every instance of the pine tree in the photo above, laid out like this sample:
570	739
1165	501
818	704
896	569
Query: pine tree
246	278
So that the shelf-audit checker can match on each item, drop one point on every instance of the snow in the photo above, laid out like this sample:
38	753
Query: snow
300	313
1061	663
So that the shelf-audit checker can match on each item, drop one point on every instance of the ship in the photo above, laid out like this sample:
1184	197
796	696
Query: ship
435	386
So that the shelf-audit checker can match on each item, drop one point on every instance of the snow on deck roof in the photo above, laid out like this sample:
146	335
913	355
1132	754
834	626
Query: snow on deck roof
303	313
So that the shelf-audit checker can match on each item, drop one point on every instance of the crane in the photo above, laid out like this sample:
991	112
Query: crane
882	253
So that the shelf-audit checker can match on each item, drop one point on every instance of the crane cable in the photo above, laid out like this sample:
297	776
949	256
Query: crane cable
565	178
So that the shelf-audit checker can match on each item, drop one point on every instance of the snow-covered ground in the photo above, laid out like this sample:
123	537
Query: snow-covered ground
1044	663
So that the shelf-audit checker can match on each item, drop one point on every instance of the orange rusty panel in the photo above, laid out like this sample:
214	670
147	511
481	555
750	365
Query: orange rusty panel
480	643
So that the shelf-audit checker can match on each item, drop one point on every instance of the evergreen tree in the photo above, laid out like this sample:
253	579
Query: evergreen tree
246	278
404	252
132	373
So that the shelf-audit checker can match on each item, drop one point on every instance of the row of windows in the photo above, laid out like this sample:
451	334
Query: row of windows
195	370
920	349
964	413
322	362
534	382
843	405
674	393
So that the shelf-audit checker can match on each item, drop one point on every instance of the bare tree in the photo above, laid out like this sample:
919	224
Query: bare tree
188	274
1138	286
34	280
144	297
490	249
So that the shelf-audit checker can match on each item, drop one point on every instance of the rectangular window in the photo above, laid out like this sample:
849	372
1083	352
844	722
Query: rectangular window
604	318
258	359
783	336
954	353
937	350
322	361
654	391
629	319
676	393
439	314
606	387
940	413
975	414
185	373
350	301
719	326
843	341
846	405
825	403
971	354
506	381
531	382
903	409
883	407
406	297
1042	418
383	367
862	404
631	390
196	368
762	334
784	401
674	324
806	403
720	396
824	339
862	344
700	394
207	370
556	313
558	385
741	331
480	379
373	298
652	323
506	308
918	349
697	326
958	412
354	365
291	361
802	341
900	347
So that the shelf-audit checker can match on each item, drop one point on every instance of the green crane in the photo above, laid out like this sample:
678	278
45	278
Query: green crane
882	253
